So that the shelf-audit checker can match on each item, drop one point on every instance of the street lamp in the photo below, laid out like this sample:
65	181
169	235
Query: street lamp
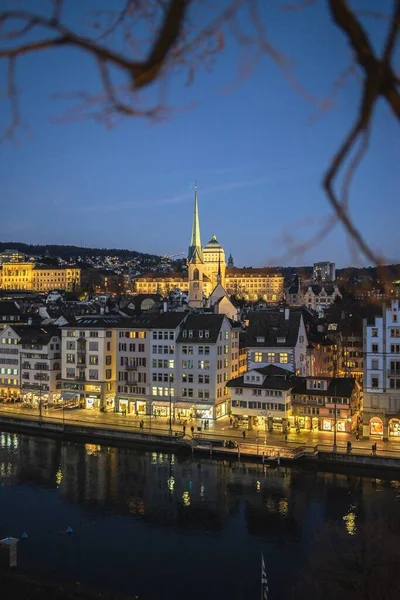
266	414
40	401
170	405
335	427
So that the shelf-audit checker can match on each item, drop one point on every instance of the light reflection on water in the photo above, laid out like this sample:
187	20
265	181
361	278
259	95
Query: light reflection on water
140	517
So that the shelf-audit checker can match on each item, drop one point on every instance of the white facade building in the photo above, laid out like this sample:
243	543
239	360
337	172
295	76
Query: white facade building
88	351
277	338
262	396
30	363
207	358
381	340
178	362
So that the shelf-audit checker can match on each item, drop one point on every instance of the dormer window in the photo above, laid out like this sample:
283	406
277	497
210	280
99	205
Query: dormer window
190	333
184	334
206	334
317	384
260	339
200	334
281	340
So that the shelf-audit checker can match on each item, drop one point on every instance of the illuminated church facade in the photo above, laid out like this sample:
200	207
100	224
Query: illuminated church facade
207	269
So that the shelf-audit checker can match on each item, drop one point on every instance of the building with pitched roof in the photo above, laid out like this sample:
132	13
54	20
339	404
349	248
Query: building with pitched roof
274	399
10	313
276	338
30	358
317	296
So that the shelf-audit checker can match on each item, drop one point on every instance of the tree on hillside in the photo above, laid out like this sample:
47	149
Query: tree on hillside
137	44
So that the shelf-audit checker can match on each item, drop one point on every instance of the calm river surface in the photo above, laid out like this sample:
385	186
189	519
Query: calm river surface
160	526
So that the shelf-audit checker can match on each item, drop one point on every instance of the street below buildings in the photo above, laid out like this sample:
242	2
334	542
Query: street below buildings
220	430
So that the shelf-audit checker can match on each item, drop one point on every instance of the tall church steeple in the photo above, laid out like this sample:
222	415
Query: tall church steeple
219	276
195	241
195	261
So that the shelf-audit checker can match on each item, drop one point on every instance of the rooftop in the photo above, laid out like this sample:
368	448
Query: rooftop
272	326
197	323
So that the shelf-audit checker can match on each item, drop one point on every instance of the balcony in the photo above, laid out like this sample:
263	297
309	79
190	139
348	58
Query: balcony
80	377
130	367
393	372
40	377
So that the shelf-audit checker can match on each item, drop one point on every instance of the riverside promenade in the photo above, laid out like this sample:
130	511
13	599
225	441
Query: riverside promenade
221	438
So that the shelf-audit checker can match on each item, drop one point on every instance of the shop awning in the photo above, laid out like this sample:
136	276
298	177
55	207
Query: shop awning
183	405
203	406
160	403
69	395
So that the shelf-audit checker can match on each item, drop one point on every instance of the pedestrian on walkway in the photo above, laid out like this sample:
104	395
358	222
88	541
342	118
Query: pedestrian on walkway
184	430
357	435
192	429
348	447
230	420
244	435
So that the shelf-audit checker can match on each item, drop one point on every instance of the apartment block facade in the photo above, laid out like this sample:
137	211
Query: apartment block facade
381	338
30	364
88	351
146	363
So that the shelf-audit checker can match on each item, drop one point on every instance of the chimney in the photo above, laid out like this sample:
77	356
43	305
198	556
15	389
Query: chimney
287	312
102	310
165	306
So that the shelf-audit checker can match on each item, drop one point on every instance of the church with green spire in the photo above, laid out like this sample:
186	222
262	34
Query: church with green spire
207	271
206	266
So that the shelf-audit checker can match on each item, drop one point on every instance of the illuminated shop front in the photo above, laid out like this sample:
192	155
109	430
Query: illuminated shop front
184	410
92	401
376	426
131	406
308	423
329	425
71	400
123	405
109	403
221	410
394	429
161	408
204	411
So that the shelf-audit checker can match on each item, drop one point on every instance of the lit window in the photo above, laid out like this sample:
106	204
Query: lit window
283	357
258	357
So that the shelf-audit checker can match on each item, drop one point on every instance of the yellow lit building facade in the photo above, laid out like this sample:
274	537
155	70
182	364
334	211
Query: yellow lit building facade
249	284
39	278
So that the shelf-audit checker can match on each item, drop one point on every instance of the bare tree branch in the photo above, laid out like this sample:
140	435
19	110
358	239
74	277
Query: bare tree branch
13	97
176	41
379	81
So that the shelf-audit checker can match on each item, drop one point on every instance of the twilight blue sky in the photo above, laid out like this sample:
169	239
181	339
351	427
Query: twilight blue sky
257	159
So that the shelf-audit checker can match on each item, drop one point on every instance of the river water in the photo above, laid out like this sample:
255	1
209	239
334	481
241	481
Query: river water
155	525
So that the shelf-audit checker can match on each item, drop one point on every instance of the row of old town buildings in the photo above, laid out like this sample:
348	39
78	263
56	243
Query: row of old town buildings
310	363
